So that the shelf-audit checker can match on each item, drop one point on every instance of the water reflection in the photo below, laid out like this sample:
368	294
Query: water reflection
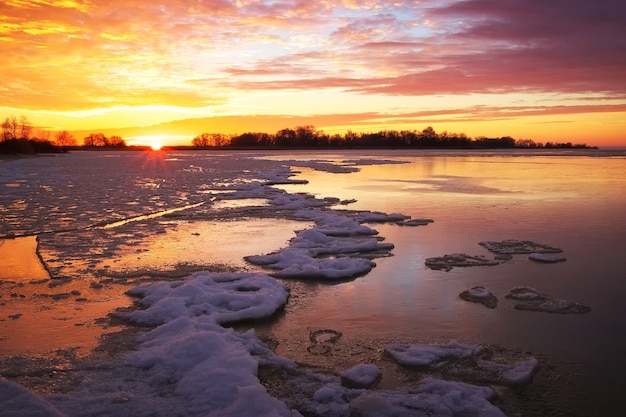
576	204
204	243
19	260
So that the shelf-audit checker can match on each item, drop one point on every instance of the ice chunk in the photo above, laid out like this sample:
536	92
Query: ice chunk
524	293
480	295
331	269
517	374
447	262
533	300
415	222
224	297
310	255
542	257
432	398
360	376
427	355
512	246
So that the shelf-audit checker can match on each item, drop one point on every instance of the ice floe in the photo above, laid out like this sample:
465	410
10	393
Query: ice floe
338	247
360	376
533	300
542	257
223	297
318	395
189	364
432	398
480	295
425	355
464	361
513	246
447	262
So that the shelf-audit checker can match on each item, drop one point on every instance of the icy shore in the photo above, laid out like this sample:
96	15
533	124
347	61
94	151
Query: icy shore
190	363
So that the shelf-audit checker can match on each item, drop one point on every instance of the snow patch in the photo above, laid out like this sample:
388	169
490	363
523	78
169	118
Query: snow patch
425	355
360	376
223	297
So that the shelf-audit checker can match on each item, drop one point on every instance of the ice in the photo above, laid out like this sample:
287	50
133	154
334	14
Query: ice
17	401
189	364
224	297
433	397
425	355
467	362
542	257
447	262
317	395
533	300
324	252
524	293
480	294
513	246
360	376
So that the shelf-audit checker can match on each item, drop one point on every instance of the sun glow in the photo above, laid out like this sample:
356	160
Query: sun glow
155	142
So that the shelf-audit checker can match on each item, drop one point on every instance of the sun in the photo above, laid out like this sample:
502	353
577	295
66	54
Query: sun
156	146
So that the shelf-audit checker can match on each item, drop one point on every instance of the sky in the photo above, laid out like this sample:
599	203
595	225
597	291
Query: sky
150	70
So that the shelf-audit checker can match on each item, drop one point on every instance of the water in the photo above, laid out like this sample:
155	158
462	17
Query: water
574	201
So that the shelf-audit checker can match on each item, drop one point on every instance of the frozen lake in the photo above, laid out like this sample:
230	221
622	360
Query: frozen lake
106	222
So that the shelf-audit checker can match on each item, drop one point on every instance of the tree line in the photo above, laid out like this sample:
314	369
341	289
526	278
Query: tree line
309	137
18	137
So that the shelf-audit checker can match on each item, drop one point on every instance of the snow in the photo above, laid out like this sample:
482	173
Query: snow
432	398
17	401
465	361
517	374
225	297
360	376
480	294
425	355
190	364
334	249
532	300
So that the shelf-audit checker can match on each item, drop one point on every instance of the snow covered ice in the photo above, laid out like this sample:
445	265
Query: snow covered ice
480	294
190	365
530	299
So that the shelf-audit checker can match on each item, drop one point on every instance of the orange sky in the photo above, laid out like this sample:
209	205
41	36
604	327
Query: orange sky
546	70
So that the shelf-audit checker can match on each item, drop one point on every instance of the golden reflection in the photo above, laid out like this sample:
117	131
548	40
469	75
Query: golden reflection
19	260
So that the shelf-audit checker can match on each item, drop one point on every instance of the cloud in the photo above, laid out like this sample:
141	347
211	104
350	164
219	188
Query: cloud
84	54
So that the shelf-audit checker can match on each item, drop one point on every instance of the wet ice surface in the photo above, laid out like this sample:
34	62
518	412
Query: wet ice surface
191	364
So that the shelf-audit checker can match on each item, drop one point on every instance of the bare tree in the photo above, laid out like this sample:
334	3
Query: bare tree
26	128
65	138
9	128
210	139
6	129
